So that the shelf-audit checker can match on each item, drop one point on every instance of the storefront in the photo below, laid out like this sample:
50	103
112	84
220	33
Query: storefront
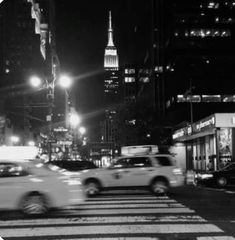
209	143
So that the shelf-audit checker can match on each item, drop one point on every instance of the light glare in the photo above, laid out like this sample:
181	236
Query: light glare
35	81
65	81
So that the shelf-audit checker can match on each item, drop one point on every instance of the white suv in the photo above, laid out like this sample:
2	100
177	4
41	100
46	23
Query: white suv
157	171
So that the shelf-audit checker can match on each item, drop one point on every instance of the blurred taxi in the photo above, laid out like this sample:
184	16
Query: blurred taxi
34	187
156	172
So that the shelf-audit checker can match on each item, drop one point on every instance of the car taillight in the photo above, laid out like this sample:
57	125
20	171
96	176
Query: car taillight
177	171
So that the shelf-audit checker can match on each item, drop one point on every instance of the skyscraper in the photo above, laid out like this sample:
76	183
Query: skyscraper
111	86
19	58
199	58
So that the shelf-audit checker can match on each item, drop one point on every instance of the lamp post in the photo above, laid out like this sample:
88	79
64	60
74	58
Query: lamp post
65	82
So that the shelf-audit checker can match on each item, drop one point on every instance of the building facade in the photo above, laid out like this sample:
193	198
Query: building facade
208	141
199	58
19	58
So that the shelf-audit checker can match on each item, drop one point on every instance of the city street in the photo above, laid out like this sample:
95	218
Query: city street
187	213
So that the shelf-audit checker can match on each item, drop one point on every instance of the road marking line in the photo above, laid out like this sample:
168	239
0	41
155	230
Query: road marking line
115	229
216	238
108	219
116	238
125	211
128	201
121	198
140	205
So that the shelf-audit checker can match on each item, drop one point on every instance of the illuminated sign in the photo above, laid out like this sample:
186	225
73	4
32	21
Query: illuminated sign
205	123
60	129
183	132
178	134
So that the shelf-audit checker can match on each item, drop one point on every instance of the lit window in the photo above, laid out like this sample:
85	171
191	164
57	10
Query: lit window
211	98
180	98
213	5
158	69
129	71
196	98
228	98
129	79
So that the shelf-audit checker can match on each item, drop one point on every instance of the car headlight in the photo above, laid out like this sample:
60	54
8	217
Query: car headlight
206	176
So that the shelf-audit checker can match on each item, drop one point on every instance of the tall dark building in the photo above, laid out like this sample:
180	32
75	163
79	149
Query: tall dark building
19	58
111	87
198	58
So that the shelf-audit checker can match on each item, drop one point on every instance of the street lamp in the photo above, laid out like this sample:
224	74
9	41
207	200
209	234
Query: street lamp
74	120
65	81
82	130
35	81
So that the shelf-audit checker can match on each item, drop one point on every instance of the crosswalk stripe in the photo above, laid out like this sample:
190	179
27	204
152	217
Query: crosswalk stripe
103	216
109	219
137	205
125	211
129	201
128	198
216	238
115	229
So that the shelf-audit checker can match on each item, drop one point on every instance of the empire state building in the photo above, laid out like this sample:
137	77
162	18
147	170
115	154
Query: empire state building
111	67
111	85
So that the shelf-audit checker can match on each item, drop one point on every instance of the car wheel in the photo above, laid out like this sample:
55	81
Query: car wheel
221	181
34	204
159	187
92	188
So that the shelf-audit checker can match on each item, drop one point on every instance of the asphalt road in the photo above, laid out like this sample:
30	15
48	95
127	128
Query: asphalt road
214	204
196	213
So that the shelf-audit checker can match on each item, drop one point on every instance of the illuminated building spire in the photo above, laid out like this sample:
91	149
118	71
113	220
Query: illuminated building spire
110	55
110	31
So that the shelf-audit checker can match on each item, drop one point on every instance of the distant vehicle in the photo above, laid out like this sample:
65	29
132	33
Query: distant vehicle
34	187
75	165
220	178
157	172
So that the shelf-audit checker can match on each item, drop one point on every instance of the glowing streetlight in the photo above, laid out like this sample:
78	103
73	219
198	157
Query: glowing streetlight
74	119
35	81
82	130
65	81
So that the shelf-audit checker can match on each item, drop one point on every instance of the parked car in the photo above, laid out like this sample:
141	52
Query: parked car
220	178
34	187
73	166
157	172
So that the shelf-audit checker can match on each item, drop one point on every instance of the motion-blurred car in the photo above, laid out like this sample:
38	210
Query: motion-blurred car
157	172
75	165
34	187
220	178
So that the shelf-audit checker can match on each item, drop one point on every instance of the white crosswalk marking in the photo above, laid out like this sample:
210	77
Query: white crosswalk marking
128	217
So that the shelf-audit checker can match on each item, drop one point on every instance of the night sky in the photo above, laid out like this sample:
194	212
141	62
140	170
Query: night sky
81	37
